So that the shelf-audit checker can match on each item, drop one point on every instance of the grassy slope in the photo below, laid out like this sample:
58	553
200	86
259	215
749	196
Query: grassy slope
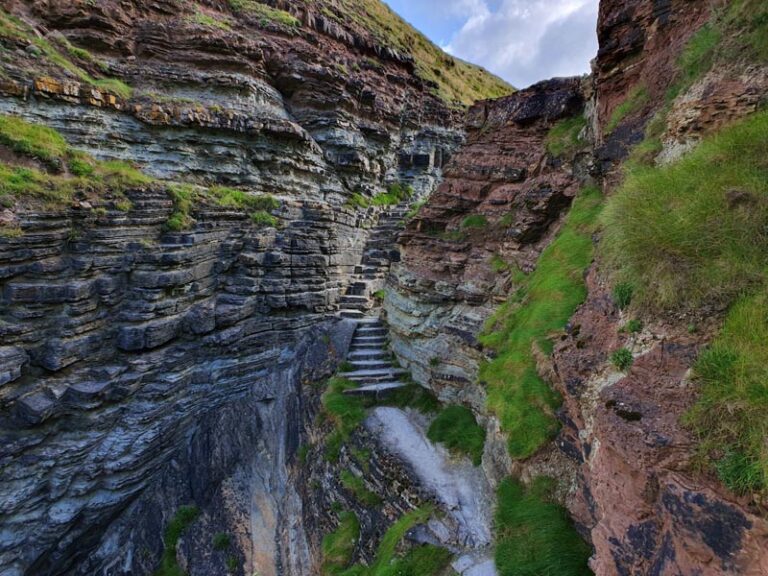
704	240
457	81
522	400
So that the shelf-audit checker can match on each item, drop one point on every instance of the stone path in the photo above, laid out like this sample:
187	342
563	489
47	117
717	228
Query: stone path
379	253
371	361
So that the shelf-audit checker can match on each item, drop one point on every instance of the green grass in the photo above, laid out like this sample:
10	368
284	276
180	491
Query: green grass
395	194
356	486
729	417
622	359
622	295
633	326
454	81
694	232
637	98
180	522
345	412
209	21
563	137
477	221
696	59
418	561
523	402
412	396
415	209
456	427
339	546
221	541
267	14
535	537
263	219
186	196
358	201
33	140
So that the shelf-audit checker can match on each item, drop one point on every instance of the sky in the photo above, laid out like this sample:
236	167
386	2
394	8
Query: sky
522	41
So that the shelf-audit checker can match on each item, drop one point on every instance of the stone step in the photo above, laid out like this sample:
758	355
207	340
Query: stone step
369	354
371	331
375	389
381	364
351	314
374	376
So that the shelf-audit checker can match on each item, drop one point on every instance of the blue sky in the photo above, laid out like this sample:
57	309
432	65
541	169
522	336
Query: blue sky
523	41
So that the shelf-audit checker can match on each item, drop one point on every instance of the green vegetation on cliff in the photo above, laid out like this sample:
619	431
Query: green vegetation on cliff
703	234
730	416
418	561
339	546
456	427
454	80
179	524
524	402
535	536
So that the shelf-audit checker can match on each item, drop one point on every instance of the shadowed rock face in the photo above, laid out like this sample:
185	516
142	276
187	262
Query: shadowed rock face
143	370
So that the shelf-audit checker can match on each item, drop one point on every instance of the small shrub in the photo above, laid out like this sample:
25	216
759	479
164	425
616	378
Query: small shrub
434	361
180	522
633	326
563	137
264	219
356	486
474	221
359	201
339	545
380	294
345	412
637	98
622	359
221	541
622	295
346	367
457	428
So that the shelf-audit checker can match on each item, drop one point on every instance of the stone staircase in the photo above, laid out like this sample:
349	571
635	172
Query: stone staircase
370	360
379	253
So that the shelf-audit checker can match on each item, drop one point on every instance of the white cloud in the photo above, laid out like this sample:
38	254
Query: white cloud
525	41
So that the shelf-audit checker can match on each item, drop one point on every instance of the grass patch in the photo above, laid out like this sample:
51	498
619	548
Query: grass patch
563	137
456	427
356	486
477	221
180	522
415	209
339	546
622	295
209	21
221	541
535	536
622	359
358	201
729	417
703	236
186	196
395	194
345	412
525	403
33	140
412	396
634	102
266	14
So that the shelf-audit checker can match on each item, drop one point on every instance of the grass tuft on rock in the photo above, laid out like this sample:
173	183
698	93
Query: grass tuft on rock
180	522
694	232
523	401
345	412
563	138
356	486
339	546
34	140
456	427
729	417
535	536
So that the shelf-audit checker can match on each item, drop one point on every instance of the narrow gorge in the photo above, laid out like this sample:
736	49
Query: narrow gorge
287	290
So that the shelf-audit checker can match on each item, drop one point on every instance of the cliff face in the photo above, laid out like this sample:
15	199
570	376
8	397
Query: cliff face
623	455
145	365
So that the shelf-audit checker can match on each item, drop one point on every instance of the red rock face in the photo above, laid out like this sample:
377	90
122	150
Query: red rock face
640	42
503	175
645	511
